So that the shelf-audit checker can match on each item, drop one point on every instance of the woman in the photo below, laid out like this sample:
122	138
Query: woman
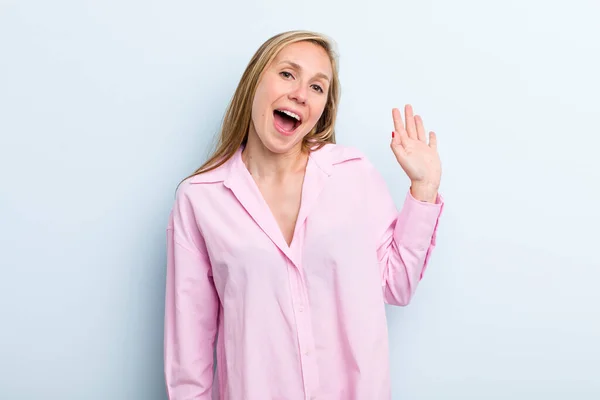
286	246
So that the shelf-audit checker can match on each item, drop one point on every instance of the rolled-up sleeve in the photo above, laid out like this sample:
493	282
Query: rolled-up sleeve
191	309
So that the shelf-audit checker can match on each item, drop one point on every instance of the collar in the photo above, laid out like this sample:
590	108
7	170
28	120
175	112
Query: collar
325	158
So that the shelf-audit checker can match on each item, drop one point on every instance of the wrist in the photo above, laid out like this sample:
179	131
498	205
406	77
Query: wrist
427	192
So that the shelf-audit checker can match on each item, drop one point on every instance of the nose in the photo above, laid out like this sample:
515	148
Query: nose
299	94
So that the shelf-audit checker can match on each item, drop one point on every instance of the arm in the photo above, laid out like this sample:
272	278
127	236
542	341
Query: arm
409	237
191	309
406	246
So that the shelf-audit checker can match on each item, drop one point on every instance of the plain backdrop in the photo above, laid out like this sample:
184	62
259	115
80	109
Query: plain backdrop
106	105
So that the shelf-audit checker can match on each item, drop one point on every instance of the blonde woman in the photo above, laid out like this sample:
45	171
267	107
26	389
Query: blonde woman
283	248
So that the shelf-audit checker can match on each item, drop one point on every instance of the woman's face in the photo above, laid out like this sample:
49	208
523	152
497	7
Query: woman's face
291	96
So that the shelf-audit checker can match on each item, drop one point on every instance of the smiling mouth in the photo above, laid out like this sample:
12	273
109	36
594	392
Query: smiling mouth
286	121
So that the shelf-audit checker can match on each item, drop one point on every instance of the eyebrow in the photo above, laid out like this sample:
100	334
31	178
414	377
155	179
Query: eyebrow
299	68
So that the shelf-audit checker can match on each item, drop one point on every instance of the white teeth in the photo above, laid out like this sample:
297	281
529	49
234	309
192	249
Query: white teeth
291	114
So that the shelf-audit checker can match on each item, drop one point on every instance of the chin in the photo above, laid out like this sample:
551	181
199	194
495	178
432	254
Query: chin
277	137
278	144
281	142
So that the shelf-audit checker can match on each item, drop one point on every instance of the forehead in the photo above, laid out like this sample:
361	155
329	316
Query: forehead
309	56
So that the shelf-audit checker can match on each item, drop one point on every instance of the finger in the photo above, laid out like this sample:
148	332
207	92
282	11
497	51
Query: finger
433	140
410	122
400	138
398	150
398	123
420	129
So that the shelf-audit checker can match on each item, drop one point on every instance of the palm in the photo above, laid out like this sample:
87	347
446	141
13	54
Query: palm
418	158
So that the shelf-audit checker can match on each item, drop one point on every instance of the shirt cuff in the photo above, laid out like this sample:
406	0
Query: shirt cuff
418	222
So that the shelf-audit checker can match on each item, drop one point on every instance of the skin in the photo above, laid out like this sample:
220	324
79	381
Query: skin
298	79
418	158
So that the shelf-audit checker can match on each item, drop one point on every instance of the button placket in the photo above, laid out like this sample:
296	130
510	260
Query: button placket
303	329
304	332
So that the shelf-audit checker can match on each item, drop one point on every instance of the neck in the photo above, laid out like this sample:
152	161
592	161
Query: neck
264	164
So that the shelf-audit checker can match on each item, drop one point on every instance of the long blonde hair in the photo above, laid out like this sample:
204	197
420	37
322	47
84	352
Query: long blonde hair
237	119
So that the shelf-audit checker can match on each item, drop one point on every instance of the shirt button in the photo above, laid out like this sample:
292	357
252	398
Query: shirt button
301	309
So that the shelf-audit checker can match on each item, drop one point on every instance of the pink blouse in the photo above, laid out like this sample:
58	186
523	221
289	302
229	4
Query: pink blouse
305	321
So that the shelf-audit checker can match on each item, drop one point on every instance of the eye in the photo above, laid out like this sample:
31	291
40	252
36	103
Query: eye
286	74
318	88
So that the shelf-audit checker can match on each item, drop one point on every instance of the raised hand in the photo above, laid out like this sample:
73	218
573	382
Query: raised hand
418	158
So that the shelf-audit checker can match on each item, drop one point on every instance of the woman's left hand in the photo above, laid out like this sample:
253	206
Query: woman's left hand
418	158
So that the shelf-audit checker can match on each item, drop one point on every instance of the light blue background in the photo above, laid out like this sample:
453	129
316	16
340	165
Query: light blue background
106	105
